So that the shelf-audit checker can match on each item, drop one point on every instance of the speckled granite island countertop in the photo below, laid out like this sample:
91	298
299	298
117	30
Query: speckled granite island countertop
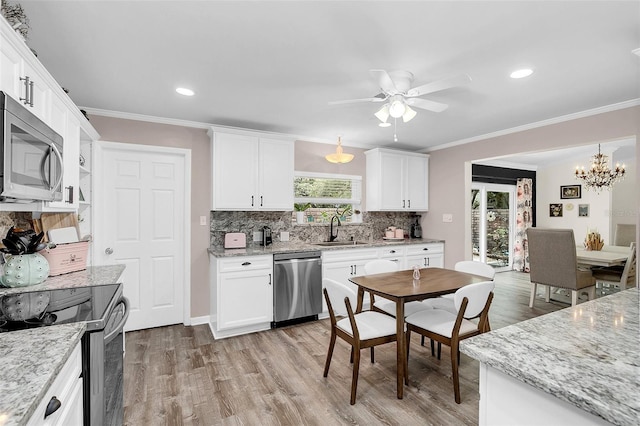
587	355
31	360
291	246
92	276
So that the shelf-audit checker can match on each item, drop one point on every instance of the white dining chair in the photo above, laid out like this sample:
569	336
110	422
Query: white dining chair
362	330
380	266
616	277
471	301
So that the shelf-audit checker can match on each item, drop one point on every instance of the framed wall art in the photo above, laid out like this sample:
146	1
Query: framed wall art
583	210
571	191
555	210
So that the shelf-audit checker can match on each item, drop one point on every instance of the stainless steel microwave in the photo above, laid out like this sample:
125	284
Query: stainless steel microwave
32	164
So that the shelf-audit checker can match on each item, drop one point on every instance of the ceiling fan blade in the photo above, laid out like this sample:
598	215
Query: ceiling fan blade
354	101
427	104
384	81
436	86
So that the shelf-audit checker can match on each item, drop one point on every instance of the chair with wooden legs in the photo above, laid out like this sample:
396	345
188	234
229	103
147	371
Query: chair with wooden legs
446	301
381	266
362	330
553	263
471	301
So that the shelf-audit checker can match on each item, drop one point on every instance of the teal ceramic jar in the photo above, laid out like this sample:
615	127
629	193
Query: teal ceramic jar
23	270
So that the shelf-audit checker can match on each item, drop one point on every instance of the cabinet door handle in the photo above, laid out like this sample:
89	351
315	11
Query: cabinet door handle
246	264
409	203
425	261
52	406
428	261
261	201
403	204
269	279
351	273
355	269
26	90
70	194
252	201
31	93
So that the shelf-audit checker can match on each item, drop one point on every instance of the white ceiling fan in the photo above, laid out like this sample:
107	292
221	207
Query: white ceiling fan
399	97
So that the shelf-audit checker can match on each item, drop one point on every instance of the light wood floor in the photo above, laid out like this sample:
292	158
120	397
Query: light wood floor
181	376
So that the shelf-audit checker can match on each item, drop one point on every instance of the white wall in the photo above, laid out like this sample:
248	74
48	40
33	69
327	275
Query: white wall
548	182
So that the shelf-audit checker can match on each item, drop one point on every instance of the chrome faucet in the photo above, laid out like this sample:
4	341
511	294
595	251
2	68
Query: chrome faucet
331	236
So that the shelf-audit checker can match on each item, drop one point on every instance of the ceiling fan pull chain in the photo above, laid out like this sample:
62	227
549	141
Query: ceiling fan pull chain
395	130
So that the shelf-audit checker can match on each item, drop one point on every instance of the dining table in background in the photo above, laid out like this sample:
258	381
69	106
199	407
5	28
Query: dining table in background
401	288
608	256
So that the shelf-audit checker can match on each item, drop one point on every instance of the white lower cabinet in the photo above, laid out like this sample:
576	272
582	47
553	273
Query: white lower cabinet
65	393
340	265
425	256
241	294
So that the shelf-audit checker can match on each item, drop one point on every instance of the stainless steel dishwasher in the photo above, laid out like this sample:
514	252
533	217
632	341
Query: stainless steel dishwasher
297	289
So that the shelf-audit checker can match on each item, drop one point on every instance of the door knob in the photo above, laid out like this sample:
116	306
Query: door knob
108	250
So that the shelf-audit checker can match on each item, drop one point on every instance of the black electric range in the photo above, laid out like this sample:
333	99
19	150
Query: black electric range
105	310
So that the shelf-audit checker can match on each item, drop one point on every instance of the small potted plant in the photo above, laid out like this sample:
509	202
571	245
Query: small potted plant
300	208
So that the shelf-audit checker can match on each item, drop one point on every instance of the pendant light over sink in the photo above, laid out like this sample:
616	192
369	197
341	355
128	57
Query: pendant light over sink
339	156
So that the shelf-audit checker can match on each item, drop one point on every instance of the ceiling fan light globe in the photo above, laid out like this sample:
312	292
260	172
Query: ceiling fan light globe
409	114
397	109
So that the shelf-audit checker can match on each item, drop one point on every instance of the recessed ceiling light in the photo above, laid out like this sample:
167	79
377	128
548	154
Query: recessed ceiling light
384	124
525	72
185	92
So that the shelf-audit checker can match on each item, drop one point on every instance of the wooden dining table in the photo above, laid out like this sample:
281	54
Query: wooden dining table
401	288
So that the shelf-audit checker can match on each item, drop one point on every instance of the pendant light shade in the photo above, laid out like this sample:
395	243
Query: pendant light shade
339	156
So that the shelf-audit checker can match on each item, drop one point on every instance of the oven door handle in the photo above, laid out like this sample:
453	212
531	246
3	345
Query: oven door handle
125	302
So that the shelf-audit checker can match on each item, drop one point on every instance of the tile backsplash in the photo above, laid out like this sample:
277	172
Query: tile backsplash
373	226
17	219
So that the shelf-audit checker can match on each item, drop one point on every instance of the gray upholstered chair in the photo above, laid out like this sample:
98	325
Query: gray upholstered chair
553	263
620	278
625	235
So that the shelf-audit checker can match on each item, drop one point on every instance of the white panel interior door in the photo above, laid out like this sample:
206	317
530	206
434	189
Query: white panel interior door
141	222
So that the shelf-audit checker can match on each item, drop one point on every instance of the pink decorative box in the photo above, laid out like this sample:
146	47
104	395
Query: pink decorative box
65	258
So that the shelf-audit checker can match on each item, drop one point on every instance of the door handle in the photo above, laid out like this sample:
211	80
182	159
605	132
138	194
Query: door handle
108	250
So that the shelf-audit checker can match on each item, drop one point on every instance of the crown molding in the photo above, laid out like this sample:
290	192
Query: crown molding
561	119
207	126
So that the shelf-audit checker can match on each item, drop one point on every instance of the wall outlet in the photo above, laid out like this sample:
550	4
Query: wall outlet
203	220
447	217
284	236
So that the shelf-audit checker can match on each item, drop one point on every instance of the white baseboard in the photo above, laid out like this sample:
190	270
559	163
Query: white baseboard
200	320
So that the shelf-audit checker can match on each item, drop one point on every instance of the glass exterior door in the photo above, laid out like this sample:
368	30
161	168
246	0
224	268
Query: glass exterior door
492	224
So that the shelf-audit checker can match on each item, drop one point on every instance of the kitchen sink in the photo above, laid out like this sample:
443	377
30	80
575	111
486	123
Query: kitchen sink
340	243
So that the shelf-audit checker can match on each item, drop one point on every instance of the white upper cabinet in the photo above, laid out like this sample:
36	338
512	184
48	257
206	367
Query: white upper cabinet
25	79
397	180
251	172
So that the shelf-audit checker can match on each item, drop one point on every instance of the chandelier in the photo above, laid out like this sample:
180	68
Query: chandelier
339	156
600	175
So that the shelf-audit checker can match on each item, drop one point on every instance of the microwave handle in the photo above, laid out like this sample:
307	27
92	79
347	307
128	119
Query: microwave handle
59	182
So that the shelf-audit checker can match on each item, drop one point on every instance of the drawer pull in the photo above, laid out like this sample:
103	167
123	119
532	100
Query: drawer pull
392	251
246	264
52	406
425	249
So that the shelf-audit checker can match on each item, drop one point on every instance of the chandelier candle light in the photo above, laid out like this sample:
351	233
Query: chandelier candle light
600	175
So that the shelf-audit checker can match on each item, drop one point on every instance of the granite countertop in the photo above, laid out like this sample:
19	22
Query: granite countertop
92	276
292	246
31	362
586	355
